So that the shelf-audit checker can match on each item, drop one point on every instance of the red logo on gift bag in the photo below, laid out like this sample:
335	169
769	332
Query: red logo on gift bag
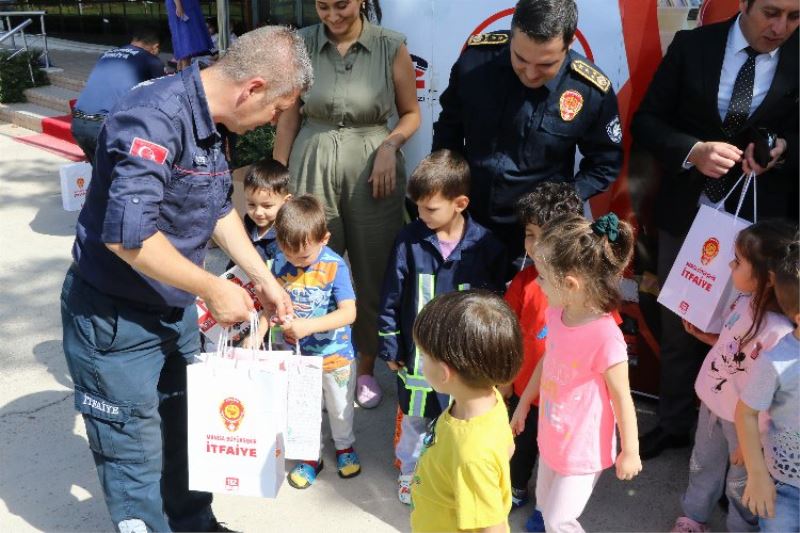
684	307
232	483
148	150
710	250
232	412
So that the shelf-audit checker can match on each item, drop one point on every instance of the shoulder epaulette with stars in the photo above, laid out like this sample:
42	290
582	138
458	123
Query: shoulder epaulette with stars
594	76
488	39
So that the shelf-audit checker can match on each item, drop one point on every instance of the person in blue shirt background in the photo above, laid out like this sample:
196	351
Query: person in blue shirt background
116	72
160	189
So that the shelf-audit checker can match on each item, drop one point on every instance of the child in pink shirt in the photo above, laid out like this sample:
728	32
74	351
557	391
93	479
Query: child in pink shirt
582	380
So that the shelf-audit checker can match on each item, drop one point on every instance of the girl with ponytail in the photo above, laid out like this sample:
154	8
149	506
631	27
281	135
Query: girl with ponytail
582	380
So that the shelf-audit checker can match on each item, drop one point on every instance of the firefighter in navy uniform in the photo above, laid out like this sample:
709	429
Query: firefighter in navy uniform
160	189
518	105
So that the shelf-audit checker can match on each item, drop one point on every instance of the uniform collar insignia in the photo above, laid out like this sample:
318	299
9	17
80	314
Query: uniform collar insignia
594	76
484	39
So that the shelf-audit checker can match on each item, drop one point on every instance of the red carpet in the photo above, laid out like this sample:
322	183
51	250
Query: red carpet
58	127
56	138
53	144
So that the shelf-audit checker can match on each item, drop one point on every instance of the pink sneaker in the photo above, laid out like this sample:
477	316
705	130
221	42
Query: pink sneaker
368	392
684	524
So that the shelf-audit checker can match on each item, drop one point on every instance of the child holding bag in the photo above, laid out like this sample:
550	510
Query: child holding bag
773	475
318	281
752	325
584	371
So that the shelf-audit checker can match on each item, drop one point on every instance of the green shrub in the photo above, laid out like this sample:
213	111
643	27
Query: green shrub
15	74
254	145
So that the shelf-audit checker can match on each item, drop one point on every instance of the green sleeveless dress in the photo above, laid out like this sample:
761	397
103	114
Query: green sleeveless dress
344	120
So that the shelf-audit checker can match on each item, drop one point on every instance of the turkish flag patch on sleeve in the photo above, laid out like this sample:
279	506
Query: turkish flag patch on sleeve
148	150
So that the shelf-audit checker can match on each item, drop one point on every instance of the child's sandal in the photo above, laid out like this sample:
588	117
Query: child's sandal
348	464
303	475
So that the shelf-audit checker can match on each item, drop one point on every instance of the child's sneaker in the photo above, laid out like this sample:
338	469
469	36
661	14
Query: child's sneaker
303	475
535	523
519	497
684	524
404	488
347	463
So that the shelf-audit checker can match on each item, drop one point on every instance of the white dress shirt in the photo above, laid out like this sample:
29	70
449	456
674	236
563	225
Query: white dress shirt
735	57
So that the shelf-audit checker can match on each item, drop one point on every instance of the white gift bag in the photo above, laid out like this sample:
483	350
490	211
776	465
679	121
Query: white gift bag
304	403
75	179
304	408
236	421
699	286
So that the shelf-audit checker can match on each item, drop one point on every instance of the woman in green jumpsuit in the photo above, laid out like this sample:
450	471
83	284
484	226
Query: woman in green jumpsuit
339	147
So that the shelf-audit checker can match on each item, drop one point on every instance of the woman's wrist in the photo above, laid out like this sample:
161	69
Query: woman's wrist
391	145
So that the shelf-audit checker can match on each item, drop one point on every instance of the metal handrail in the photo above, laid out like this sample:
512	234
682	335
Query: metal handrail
18	29
21	30
41	14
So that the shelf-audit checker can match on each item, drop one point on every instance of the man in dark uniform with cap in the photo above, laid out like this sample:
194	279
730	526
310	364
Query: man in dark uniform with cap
518	105
160	189
115	73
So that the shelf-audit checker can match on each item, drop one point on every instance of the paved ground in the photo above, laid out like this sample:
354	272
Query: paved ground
47	478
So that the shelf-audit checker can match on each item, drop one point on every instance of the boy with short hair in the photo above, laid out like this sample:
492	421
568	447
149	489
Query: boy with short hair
443	251
773	474
528	301
469	341
318	281
266	189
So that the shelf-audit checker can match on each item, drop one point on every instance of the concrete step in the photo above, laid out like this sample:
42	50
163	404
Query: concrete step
27	115
53	97
67	81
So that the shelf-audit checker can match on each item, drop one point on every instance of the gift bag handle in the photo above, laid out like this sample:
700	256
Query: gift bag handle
269	343
750	177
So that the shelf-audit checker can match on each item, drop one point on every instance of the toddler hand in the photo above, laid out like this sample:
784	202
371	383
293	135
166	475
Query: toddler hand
736	457
628	466
394	366
759	495
518	420
296	329
702	336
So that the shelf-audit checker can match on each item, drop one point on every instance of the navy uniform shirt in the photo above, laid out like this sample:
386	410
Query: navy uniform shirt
160	167
115	73
514	137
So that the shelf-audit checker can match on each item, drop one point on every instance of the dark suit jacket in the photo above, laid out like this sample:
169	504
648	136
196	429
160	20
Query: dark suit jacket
680	108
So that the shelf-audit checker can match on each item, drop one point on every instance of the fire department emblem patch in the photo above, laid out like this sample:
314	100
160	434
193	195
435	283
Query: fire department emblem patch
570	104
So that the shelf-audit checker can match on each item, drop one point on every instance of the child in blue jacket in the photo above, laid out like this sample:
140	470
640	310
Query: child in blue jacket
442	251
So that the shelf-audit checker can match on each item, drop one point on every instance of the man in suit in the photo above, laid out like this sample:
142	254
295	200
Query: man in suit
715	85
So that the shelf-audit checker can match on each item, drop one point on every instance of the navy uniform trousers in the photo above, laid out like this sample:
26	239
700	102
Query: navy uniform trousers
128	363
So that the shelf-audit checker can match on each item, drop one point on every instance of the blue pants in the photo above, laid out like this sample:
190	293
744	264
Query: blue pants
711	474
787	510
85	133
128	365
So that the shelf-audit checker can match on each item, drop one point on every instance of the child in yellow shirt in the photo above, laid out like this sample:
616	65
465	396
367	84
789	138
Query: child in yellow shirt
469	342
